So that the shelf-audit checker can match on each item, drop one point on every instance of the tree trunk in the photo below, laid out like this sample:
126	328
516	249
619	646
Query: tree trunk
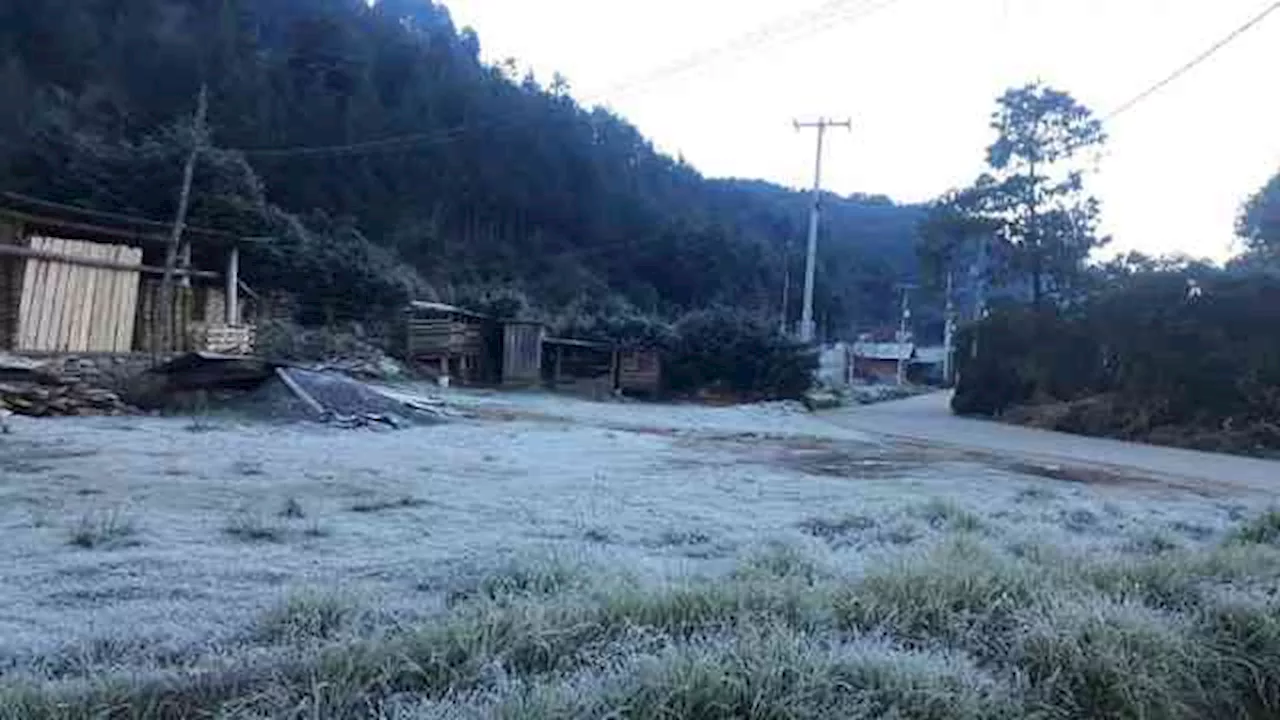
1037	278
167	334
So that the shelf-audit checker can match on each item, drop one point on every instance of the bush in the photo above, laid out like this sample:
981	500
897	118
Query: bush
1019	356
334	271
499	302
1144	359
613	319
732	351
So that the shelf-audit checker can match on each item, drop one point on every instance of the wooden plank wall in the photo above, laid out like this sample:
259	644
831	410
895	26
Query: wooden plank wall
522	353
71	308
435	338
10	286
640	371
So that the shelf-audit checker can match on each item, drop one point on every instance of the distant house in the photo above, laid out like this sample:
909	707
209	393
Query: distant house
879	361
81	281
928	365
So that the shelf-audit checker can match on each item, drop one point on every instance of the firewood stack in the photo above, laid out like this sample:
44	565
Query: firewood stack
30	388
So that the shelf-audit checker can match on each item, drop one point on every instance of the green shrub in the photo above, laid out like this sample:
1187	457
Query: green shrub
1262	530
732	351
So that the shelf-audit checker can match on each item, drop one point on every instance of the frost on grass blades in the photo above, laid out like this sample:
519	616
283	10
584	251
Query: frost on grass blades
579	569
962	630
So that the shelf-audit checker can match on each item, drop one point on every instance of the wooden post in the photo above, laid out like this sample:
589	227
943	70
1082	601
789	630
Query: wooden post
615	370
199	131
555	380
186	304
233	286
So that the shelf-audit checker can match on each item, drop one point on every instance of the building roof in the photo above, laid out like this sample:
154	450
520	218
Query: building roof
932	355
100	226
436	307
883	351
570	342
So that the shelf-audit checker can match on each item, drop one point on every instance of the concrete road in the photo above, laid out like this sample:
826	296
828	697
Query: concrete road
928	419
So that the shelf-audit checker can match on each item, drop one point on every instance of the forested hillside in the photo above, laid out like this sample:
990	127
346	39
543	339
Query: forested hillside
386	160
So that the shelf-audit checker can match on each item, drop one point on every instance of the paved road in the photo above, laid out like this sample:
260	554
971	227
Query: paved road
928	418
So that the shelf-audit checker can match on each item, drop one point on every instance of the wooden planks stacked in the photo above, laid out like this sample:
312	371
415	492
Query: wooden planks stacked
72	308
438	338
640	371
229	340
10	286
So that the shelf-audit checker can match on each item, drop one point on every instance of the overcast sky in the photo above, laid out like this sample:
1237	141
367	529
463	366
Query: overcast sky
919	79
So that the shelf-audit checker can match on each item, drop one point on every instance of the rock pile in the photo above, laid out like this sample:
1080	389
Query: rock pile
31	388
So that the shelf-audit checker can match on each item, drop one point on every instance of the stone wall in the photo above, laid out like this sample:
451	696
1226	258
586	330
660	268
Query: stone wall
113	372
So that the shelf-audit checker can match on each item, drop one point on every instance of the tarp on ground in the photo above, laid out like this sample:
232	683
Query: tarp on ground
278	392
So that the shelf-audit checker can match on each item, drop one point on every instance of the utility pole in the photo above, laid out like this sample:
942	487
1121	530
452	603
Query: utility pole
199	138
980	278
949	332
903	332
786	289
807	330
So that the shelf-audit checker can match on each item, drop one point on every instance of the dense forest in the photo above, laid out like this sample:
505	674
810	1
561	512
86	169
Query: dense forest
385	160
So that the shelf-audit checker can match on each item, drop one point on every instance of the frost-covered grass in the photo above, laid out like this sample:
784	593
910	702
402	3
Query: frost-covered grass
605	565
104	530
962	629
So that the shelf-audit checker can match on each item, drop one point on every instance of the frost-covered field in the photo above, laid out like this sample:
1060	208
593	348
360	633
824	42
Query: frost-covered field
556	558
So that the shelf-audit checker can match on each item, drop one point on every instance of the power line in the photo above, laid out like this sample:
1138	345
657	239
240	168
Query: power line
439	137
1197	60
776	33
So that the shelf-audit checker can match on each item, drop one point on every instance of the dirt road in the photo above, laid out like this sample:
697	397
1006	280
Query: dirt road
928	418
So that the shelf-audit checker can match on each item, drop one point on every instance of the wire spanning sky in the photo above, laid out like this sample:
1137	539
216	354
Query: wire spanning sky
720	81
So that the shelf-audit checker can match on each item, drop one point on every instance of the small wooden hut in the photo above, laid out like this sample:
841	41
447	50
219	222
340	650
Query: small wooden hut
76	281
579	366
640	371
455	342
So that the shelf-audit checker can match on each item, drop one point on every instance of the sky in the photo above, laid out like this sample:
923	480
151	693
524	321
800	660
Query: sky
919	79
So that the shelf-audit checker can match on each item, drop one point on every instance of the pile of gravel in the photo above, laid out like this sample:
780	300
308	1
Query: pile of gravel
345	402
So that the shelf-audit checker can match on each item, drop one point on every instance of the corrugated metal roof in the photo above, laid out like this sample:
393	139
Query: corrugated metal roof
933	355
445	308
571	342
883	351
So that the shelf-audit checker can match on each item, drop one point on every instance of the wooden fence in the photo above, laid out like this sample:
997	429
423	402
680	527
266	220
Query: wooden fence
10	287
67	307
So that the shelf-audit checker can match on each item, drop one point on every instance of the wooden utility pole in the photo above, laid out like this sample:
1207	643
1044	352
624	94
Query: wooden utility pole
783	326
807	330
904	333
199	139
979	274
949	332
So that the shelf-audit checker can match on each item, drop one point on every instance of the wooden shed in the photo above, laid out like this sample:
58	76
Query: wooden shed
581	366
640	371
74	281
454	341
522	353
